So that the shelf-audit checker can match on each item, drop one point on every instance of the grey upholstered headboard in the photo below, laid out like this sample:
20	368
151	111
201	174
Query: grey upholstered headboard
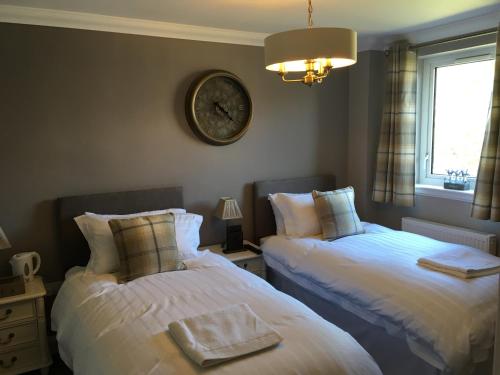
264	223
73	246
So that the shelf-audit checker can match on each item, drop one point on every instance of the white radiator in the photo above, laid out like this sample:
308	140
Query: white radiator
442	232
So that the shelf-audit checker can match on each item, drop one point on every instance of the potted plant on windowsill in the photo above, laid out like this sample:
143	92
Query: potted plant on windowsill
457	180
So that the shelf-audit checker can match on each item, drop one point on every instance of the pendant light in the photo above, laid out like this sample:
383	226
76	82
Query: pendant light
313	51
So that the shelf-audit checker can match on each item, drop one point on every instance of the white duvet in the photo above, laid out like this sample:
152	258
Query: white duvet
109	328
376	276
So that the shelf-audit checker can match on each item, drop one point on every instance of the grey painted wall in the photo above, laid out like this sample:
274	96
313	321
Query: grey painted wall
365	111
88	112
366	88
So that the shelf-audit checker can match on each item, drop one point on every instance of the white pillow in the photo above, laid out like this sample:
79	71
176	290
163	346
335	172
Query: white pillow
137	214
103	253
278	217
299	214
187	234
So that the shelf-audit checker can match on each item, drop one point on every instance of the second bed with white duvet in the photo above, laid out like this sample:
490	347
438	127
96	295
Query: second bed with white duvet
447	321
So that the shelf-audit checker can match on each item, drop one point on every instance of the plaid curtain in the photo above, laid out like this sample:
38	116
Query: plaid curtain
395	174
486	204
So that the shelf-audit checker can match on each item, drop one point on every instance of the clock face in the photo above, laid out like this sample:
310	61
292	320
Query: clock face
219	108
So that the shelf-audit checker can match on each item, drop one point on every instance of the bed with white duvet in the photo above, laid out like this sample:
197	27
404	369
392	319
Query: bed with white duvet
108	328
447	321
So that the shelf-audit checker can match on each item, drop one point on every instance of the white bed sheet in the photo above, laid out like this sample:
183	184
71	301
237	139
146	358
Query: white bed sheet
109	328
447	321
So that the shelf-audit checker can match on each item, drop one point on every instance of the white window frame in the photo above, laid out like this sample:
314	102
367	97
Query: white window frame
426	69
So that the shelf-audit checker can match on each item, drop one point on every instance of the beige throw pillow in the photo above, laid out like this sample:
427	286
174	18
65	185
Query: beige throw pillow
337	214
146	245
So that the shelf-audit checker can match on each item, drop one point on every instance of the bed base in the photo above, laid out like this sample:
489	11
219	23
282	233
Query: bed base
392	354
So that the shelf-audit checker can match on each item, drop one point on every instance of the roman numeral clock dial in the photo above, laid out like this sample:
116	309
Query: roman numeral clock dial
218	108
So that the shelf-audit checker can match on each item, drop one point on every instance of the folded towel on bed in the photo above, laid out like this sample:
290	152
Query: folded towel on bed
209	339
465	263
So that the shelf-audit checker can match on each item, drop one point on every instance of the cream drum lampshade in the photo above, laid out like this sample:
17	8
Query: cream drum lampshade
314	51
289	50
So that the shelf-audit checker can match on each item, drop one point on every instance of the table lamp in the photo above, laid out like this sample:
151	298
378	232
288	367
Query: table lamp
4	242
228	209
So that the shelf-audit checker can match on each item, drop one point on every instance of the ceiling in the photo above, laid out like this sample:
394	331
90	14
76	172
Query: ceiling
268	16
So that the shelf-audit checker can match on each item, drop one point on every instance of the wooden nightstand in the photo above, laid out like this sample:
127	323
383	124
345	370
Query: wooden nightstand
23	335
246	259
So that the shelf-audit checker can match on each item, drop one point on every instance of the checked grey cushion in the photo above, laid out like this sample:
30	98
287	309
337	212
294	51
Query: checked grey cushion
146	245
337	214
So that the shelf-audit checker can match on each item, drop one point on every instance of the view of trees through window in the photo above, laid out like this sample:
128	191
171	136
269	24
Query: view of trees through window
462	100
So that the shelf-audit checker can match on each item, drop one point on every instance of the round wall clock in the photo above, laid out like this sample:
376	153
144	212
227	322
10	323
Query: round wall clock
218	108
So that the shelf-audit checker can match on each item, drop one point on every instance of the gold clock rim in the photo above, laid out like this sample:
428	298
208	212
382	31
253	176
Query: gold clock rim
191	114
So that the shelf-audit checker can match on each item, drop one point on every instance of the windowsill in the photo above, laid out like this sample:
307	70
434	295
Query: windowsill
440	192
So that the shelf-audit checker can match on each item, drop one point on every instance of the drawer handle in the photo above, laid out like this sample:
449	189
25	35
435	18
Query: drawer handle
12	361
6	315
9	339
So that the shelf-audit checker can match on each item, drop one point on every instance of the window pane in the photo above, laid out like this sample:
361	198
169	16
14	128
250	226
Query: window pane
461	109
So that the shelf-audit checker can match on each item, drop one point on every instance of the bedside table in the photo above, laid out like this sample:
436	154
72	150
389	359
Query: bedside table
246	259
23	335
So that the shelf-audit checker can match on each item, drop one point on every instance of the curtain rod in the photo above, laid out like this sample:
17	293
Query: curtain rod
454	38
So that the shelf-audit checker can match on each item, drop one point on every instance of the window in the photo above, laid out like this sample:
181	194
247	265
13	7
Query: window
455	90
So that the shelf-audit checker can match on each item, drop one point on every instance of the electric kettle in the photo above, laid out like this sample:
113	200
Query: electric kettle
22	264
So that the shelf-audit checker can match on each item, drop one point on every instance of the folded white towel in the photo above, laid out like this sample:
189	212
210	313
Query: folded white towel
464	262
209	339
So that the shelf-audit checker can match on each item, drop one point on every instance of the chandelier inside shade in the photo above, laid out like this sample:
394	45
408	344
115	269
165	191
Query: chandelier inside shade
315	51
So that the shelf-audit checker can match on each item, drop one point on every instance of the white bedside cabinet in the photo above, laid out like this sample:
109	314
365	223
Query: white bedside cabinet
23	335
246	259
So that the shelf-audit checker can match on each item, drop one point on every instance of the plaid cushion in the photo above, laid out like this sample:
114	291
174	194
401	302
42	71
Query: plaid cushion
146	245
337	214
